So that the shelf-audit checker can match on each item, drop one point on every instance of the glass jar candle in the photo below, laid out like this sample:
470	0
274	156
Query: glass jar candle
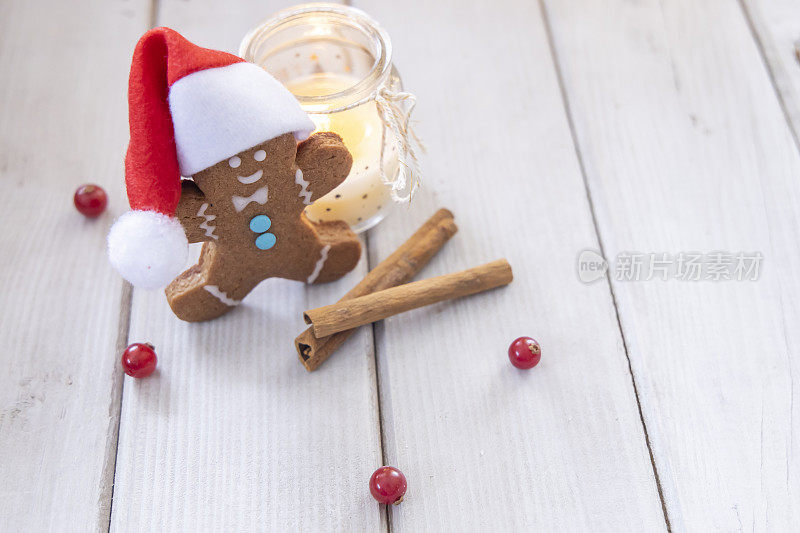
337	62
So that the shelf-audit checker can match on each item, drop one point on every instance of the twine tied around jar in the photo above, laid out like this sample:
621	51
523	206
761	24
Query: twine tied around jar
394	110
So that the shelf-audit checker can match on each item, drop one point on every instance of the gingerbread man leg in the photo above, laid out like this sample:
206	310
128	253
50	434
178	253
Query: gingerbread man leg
340	251
210	288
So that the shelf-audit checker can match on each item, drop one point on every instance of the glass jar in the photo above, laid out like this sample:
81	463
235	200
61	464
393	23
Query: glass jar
336	60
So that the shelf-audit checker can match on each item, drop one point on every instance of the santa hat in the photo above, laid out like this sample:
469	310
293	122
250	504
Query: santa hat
189	108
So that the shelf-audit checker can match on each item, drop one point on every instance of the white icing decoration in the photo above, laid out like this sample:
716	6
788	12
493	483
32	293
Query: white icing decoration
205	224
252	178
221	296
320	263
304	192
260	155
234	161
260	197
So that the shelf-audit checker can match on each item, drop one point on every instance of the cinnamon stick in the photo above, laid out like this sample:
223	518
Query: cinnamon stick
402	265
378	305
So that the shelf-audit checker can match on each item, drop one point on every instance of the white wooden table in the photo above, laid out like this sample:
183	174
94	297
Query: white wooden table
552	127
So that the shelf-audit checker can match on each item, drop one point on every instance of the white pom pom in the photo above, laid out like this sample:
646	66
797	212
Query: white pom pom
147	248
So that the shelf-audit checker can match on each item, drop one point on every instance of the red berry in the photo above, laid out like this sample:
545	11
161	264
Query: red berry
90	200
139	360
388	485
524	352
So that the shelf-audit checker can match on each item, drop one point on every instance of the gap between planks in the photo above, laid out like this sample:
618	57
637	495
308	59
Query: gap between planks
773	78
748	18
386	515
579	157
112	446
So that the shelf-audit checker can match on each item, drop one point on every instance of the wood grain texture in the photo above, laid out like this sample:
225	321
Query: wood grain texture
62	123
686	149
232	433
486	446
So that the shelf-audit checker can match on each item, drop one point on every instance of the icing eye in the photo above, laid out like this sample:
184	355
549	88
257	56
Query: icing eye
234	162
260	155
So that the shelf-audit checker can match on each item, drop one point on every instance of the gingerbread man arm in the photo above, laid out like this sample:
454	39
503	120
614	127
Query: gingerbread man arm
325	163
193	212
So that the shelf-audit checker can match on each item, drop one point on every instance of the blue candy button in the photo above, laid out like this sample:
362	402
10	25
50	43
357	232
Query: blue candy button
265	241
260	224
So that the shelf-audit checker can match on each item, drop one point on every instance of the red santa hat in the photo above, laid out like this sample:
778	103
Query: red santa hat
189	108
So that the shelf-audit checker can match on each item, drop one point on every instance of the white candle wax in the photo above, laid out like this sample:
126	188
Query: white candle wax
362	197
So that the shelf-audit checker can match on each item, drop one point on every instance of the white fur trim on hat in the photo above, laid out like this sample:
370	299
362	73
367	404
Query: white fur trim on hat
147	248
219	112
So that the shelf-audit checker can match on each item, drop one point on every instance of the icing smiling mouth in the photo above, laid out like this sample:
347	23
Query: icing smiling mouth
252	178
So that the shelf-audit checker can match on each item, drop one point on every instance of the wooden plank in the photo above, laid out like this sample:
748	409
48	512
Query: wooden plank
686	148
233	433
62	123
484	445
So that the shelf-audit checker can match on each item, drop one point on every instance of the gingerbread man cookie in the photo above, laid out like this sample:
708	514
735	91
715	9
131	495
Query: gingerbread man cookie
248	210
233	129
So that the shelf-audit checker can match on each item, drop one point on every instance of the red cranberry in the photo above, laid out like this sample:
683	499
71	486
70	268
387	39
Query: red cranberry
388	485
91	200
524	352
139	360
